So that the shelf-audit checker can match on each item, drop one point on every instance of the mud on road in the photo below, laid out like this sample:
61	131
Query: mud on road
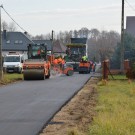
77	115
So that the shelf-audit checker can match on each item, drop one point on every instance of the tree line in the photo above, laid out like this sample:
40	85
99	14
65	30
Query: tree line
101	44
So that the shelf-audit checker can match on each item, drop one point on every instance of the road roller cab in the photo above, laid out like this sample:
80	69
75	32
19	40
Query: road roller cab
37	65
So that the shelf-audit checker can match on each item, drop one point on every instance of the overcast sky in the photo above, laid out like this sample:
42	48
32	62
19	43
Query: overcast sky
43	16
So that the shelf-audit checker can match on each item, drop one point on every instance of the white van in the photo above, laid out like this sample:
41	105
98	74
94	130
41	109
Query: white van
13	63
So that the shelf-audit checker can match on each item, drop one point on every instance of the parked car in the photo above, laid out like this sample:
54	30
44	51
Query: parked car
13	63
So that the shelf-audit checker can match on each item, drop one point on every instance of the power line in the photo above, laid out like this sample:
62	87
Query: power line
13	19
130	5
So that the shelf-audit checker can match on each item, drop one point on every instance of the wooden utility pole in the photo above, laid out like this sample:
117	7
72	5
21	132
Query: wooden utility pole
52	40
122	39
1	67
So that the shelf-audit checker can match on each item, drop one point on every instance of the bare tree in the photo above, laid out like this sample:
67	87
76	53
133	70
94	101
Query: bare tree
83	32
12	27
48	36
94	33
102	43
67	37
4	25
92	44
64	37
75	34
8	26
38	37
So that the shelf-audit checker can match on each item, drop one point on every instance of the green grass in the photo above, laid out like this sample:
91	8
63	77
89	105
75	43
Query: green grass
8	78
117	77
115	109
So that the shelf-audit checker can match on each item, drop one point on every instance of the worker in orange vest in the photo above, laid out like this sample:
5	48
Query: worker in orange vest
59	60
63	61
55	62
38	52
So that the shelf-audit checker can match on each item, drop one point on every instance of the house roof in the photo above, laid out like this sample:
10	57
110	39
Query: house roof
130	25
14	41
79	40
18	41
46	42
58	47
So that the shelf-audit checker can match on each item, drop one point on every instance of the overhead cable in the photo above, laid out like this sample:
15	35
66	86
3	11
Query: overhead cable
130	5
13	19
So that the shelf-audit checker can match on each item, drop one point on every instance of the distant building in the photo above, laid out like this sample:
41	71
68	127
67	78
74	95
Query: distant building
14	41
59	48
18	42
130	25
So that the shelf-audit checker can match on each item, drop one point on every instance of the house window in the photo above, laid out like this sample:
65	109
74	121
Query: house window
20	42
8	41
16	42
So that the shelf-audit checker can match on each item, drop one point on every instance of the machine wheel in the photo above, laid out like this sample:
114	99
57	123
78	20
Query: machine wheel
80	72
89	70
25	78
43	77
20	71
70	73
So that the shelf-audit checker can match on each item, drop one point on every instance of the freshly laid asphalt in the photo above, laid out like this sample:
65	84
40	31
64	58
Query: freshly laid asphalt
25	107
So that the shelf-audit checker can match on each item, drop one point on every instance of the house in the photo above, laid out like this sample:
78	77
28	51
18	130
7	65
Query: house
130	25
14	41
18	42
59	48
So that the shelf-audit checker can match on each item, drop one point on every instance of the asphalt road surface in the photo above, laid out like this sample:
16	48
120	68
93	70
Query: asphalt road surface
25	107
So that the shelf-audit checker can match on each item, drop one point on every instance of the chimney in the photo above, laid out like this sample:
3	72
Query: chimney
25	32
5	34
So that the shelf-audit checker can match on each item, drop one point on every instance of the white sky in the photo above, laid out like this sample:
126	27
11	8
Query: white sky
43	16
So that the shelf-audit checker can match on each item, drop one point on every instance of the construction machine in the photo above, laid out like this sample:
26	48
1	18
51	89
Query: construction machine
68	69
62	67
75	51
84	67
37	65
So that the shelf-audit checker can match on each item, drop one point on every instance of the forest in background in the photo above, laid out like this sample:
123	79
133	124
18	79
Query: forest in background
101	44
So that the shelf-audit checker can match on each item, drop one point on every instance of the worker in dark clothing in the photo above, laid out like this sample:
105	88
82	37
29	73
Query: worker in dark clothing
68	51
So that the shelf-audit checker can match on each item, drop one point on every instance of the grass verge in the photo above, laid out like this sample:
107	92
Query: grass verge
117	77
9	78
115	109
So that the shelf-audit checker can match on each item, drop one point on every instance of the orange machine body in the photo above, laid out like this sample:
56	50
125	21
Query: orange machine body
37	66
63	68
84	67
68	71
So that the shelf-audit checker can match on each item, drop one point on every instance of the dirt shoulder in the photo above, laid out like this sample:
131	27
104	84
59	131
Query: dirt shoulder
77	115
